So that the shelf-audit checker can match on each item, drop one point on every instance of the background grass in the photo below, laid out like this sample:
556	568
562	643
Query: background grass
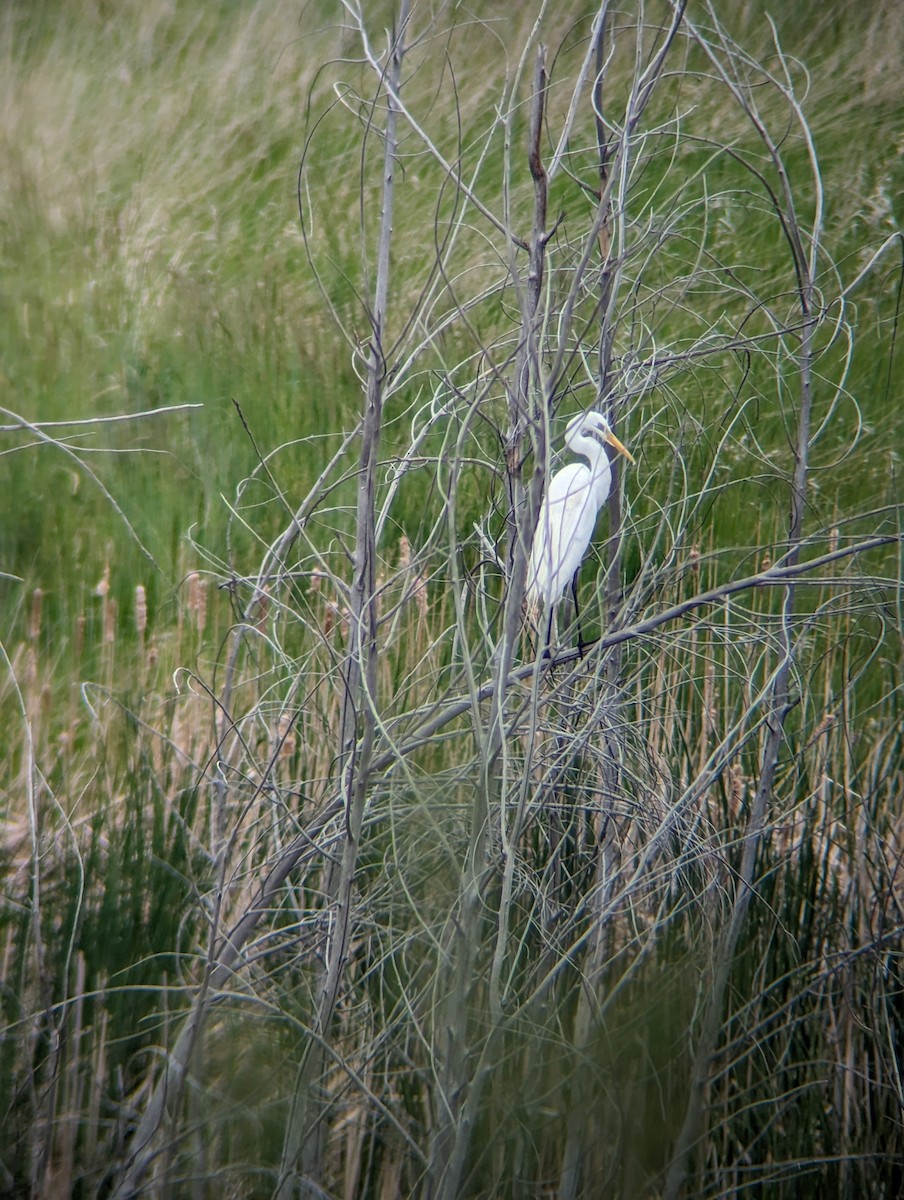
152	257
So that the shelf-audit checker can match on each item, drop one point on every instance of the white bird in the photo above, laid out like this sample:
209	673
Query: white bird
569	510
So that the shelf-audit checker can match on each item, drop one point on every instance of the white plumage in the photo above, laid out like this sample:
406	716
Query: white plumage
569	509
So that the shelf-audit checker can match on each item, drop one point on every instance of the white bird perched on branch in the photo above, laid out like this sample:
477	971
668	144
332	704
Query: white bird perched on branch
568	512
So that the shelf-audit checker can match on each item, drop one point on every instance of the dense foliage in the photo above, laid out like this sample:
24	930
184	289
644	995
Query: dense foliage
319	876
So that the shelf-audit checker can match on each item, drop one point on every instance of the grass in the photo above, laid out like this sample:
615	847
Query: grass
173	713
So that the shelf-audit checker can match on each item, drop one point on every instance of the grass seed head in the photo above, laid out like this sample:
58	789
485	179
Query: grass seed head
141	609
197	600
34	620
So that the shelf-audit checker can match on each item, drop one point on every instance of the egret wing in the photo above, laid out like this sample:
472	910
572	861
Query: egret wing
564	529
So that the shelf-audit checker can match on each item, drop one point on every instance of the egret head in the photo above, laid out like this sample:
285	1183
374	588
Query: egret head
589	430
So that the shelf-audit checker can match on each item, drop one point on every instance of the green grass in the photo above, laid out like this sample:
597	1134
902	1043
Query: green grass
151	258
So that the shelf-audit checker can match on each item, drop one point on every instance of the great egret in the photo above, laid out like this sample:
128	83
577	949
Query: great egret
568	513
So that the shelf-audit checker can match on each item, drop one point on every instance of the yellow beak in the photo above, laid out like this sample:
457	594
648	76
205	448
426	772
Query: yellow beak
613	441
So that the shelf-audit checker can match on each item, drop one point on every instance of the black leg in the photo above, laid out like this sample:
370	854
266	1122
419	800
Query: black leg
547	649
577	611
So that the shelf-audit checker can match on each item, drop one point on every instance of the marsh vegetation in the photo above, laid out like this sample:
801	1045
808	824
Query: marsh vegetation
319	877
